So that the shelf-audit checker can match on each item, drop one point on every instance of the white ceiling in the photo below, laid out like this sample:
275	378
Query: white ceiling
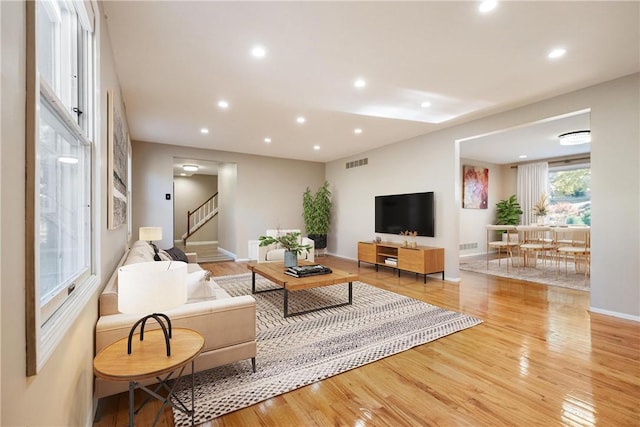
176	59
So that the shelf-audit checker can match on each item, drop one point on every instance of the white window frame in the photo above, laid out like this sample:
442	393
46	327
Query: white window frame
45	334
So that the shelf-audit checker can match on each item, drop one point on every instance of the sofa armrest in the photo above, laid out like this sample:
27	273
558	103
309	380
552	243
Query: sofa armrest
262	252
308	241
192	257
222	322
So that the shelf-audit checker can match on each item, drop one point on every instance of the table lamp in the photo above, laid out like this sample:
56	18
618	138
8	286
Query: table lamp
152	287
150	234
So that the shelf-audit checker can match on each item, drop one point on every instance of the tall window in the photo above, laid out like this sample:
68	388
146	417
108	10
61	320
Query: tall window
64	122
570	194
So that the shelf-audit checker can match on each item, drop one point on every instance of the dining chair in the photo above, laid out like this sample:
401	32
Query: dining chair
573	242
508	243
535	240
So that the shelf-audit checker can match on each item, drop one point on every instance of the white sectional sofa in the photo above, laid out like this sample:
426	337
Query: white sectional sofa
228	324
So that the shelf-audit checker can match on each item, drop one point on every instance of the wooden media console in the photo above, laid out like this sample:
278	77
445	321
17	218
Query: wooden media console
420	260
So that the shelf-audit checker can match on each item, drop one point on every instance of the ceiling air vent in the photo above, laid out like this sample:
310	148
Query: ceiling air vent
357	163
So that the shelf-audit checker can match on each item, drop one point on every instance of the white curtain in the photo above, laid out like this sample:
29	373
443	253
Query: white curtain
533	181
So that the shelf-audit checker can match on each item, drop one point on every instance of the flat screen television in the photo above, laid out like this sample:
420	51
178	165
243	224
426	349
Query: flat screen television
399	212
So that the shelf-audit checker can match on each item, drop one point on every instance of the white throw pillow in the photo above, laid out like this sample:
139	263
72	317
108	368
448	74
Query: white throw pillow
199	287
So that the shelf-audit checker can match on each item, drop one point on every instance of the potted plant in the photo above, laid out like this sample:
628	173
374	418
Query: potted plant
316	213
290	242
508	211
541	208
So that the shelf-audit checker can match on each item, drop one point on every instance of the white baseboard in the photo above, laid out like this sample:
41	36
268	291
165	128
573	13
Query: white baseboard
615	314
230	254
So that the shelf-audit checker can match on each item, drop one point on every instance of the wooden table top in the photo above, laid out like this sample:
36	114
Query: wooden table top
148	358
274	271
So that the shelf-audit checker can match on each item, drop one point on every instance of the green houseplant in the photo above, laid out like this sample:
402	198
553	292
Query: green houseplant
291	243
316	213
508	211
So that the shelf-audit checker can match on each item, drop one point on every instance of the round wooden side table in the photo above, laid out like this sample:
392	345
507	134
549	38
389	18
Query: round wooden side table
148	359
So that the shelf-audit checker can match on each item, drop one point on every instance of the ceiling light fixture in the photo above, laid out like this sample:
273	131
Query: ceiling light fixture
487	6
360	83
258	51
522	156
301	119
190	168
425	104
267	140
557	53
575	138
316	147
223	104
204	131
357	131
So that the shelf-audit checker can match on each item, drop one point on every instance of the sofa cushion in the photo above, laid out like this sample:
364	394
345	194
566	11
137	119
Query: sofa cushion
177	254
201	288
140	252
164	256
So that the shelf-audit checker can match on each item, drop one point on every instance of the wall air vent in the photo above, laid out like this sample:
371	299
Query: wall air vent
357	163
465	246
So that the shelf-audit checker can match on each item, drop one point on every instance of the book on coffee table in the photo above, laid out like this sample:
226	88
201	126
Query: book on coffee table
307	270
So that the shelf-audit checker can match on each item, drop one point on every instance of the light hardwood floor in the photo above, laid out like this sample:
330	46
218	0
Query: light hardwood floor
539	358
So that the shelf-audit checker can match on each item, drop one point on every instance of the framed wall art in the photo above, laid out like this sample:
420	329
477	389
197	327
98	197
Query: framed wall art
475	187
118	161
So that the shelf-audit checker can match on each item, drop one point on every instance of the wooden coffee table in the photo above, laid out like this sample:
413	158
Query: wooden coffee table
274	271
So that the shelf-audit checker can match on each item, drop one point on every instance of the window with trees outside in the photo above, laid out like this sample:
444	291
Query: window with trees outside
60	130
570	194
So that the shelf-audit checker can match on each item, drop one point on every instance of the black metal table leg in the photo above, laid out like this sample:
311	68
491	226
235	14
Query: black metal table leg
253	282
286	303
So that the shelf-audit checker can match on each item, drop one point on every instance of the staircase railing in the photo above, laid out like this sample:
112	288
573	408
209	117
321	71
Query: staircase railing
200	216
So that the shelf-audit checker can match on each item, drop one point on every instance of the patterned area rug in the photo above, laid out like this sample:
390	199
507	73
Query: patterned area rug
543	273
297	351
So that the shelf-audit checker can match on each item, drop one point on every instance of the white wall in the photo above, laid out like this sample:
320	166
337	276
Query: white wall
430	163
189	193
61	394
228	185
473	221
261	192
418	165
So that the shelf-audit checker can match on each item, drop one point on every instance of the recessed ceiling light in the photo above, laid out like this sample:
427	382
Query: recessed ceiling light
316	147
487	6
223	104
70	160
575	138
267	140
258	51
204	131
357	130
425	104
522	156
557	53
301	119
190	168
183	174
360	83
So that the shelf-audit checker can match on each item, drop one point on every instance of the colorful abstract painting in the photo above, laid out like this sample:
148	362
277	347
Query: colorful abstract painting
475	187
